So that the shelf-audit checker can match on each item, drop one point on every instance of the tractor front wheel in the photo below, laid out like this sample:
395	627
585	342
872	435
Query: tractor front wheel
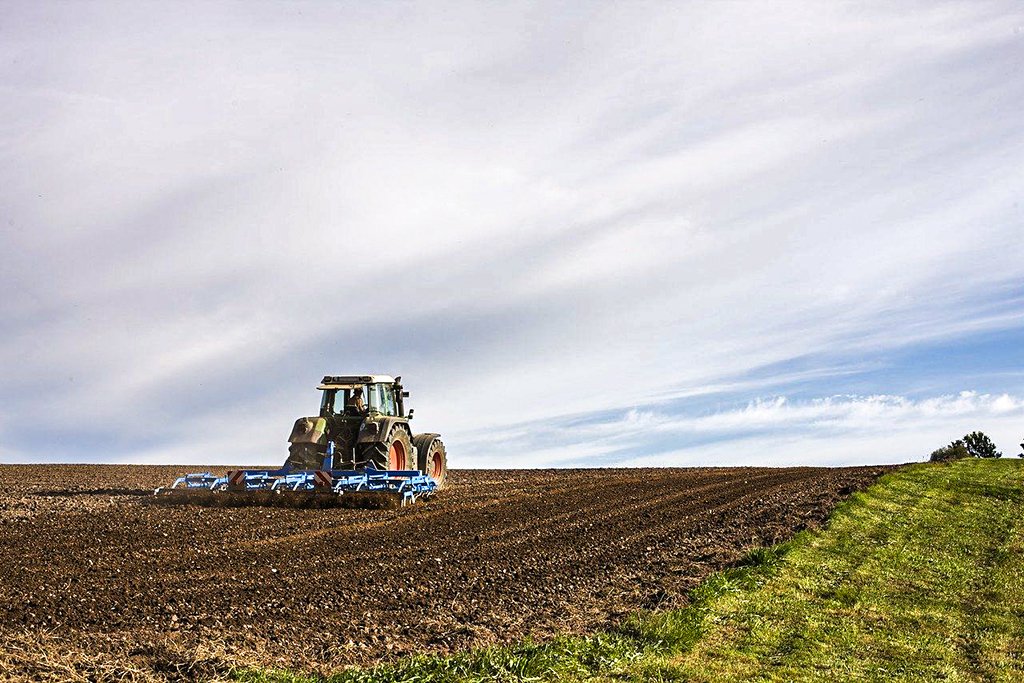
432	457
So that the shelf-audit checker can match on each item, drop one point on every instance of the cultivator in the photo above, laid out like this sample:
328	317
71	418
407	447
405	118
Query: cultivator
356	452
304	488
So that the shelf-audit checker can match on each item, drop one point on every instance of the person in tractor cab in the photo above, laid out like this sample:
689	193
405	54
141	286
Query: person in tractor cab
355	404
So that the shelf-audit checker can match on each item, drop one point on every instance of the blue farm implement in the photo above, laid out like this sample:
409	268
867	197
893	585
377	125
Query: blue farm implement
302	488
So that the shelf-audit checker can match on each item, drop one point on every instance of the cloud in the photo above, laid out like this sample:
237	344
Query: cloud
836	414
533	213
846	429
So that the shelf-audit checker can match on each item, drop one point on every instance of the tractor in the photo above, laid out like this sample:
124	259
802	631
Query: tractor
360	450
376	434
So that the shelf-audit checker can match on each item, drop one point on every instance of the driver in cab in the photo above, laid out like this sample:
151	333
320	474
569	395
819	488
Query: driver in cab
355	404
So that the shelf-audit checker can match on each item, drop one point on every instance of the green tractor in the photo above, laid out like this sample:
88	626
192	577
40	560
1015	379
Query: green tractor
363	424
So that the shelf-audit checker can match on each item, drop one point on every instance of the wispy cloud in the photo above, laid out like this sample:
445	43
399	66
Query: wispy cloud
771	431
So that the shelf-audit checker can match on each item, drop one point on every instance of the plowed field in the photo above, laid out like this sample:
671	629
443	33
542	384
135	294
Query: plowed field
95	583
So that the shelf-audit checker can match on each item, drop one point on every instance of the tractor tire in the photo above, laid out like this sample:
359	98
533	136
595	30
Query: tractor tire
393	453
432	457
304	456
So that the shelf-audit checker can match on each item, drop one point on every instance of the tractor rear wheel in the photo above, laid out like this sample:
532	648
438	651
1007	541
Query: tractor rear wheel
393	453
432	457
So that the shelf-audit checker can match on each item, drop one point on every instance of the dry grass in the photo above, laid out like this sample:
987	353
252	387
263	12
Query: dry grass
46	656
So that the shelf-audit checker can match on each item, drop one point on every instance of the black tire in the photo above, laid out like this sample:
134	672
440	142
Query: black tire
304	456
432	459
394	452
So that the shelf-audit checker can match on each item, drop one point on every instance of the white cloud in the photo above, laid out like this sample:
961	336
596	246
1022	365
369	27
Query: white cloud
832	430
837	414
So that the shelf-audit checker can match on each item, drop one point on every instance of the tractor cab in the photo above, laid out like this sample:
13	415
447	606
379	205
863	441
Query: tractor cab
381	395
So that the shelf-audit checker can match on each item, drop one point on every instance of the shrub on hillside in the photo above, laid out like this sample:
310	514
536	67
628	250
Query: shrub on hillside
980	446
954	451
973	445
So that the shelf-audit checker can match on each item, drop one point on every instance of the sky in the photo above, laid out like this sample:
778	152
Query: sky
585	234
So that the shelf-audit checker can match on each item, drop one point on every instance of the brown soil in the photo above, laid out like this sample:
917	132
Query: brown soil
96	584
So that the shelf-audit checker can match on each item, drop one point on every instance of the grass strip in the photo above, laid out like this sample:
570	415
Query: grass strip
919	578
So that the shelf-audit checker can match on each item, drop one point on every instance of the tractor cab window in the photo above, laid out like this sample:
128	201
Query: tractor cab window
373	398
381	399
334	402
327	403
387	402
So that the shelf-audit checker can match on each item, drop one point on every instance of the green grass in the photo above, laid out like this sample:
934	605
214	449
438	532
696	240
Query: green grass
919	578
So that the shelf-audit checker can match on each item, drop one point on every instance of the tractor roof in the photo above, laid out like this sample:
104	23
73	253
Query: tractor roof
349	381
